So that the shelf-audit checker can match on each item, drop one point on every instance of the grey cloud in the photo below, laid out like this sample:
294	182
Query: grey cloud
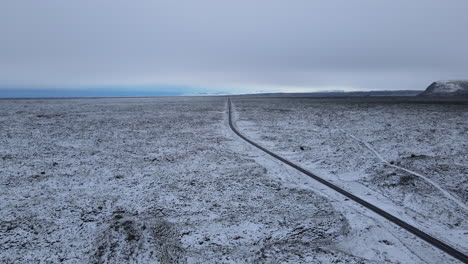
364	44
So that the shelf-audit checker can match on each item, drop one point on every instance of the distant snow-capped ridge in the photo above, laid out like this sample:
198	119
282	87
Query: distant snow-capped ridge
447	88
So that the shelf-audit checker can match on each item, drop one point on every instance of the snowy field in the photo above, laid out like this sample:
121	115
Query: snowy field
409	156
165	180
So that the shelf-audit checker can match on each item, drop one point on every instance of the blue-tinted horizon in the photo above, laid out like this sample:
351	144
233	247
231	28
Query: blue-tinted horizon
52	93
152	90
104	91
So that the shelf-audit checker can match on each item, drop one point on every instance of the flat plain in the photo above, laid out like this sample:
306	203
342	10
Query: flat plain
409	155
165	180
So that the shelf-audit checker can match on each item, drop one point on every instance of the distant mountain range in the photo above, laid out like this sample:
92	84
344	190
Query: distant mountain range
455	88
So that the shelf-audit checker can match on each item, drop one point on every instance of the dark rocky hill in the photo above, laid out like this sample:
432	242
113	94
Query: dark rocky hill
447	89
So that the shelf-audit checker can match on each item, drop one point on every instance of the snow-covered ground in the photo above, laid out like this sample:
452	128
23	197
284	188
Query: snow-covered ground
164	180
408	157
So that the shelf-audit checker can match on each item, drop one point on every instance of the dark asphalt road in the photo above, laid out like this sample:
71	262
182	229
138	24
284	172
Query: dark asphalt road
424	236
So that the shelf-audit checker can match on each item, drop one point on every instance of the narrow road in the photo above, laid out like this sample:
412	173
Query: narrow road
424	236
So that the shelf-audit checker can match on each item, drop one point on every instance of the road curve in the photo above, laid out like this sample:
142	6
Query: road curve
415	231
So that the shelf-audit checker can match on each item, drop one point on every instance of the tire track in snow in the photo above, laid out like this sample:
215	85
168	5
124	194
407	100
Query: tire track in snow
415	231
434	184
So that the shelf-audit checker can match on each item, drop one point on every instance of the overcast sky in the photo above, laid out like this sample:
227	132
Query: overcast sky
233	45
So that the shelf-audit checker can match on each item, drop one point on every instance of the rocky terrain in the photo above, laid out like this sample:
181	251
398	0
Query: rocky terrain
164	180
409	157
